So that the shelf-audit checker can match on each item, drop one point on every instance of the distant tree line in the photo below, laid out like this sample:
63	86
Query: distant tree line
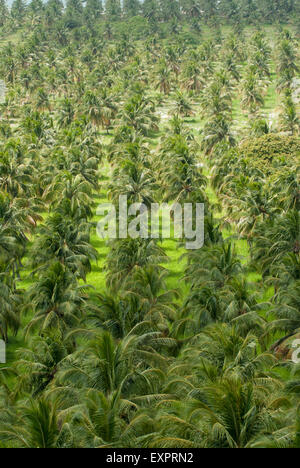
74	12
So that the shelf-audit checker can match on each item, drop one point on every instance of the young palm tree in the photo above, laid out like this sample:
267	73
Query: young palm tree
192	80
64	240
252	95
57	301
135	181
139	112
10	302
287	310
241	299
223	351
222	413
164	82
93	105
102	109
289	120
275	239
286	57
259	127
15	175
75	192
157	302
213	265
37	365
109	366
101	421
217	130
231	66
66	113
129	255
216	100
117	314
42	100
252	207
205	305
182	105
34	425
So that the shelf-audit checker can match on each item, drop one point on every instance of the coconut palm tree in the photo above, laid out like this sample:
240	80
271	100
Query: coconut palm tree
137	364
66	113
275	239
223	352
213	265
10	301
64	240
129	255
139	112
228	414
109	366
192	80
73	192
37	365
157	302
286	57
163	82
57	301
182	105
100	422
216	100
252	95
117	314
135	181
289	120
217	130
287	309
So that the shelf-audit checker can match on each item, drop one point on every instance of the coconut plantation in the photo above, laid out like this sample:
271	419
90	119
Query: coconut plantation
149	341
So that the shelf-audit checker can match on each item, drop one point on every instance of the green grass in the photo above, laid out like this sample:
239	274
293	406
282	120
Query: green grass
175	266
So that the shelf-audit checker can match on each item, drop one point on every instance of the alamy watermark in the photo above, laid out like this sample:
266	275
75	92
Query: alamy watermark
157	221
2	352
